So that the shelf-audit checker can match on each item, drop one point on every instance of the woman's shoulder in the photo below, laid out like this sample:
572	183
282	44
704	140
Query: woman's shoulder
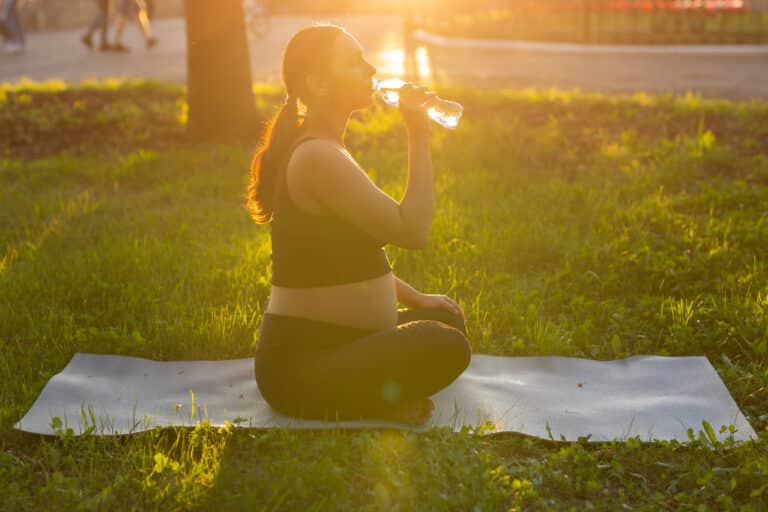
309	161
309	146
322	171
312	154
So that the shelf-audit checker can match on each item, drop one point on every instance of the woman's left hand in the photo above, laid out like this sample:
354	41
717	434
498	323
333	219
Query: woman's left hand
433	301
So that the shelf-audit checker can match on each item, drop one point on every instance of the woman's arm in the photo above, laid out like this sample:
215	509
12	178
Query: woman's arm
412	298
344	189
407	294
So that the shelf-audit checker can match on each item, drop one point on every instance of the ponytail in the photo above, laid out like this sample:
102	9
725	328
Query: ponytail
309	49
279	134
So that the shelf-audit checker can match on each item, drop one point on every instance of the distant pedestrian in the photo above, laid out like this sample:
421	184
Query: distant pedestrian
12	28
100	22
4	31
127	10
150	9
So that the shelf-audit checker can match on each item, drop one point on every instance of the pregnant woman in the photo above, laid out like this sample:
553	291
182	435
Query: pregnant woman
333	344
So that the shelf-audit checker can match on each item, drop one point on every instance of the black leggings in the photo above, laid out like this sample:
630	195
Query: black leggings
318	370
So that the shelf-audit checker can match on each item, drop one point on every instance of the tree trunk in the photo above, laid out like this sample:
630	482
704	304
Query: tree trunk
219	93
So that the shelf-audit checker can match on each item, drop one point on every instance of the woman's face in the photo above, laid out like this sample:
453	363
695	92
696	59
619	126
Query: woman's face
350	74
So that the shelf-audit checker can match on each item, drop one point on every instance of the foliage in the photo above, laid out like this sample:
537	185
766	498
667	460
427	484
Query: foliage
566	223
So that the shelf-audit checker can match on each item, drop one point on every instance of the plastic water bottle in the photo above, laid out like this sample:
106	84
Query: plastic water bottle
443	112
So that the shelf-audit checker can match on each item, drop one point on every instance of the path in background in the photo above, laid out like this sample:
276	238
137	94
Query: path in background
61	55
738	72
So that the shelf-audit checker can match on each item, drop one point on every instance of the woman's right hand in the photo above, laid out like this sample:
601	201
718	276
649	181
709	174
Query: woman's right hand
413	99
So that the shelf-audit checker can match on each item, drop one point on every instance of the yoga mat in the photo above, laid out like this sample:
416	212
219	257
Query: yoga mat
549	397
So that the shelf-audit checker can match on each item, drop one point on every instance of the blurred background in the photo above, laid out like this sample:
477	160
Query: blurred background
713	47
615	21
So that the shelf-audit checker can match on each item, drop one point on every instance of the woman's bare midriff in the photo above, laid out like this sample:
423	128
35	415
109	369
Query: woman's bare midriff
370	304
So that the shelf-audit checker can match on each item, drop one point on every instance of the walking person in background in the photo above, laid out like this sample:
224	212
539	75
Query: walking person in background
127	10
150	9
100	22
12	28
4	31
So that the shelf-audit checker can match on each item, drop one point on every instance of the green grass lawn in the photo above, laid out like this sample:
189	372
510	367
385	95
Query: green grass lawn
565	224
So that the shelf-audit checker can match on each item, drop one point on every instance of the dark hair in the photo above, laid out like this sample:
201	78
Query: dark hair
308	49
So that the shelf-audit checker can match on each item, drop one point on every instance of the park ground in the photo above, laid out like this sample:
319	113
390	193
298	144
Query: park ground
566	223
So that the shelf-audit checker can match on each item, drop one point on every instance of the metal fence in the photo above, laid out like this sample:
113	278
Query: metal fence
600	21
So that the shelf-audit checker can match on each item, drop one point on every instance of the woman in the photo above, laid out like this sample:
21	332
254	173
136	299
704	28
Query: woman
332	343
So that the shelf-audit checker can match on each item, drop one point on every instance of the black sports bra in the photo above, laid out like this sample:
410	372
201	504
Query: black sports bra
311	250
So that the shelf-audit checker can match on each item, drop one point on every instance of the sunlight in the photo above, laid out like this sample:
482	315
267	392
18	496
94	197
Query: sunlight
423	67
187	474
388	451
392	62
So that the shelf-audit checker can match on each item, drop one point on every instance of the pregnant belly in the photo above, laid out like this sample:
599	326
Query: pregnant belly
370	304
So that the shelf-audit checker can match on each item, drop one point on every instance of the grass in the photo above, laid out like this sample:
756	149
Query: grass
566	224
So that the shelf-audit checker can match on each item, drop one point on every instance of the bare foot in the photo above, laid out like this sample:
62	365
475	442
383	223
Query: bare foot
415	413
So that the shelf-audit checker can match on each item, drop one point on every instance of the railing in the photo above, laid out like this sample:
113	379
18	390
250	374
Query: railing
600	21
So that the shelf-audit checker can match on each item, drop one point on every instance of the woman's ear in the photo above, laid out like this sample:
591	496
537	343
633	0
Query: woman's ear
317	85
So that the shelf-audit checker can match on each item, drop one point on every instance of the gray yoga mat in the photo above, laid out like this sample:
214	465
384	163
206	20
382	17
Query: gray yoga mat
549	397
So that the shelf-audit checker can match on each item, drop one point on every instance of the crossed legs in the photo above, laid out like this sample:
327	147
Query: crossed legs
376	374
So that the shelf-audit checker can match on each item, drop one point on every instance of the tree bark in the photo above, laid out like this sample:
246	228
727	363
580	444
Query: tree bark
219	93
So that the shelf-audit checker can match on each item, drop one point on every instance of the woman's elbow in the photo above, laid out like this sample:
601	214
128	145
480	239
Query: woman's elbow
419	241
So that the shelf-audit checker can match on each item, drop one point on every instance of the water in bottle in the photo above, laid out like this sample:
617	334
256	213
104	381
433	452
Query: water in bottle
443	112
